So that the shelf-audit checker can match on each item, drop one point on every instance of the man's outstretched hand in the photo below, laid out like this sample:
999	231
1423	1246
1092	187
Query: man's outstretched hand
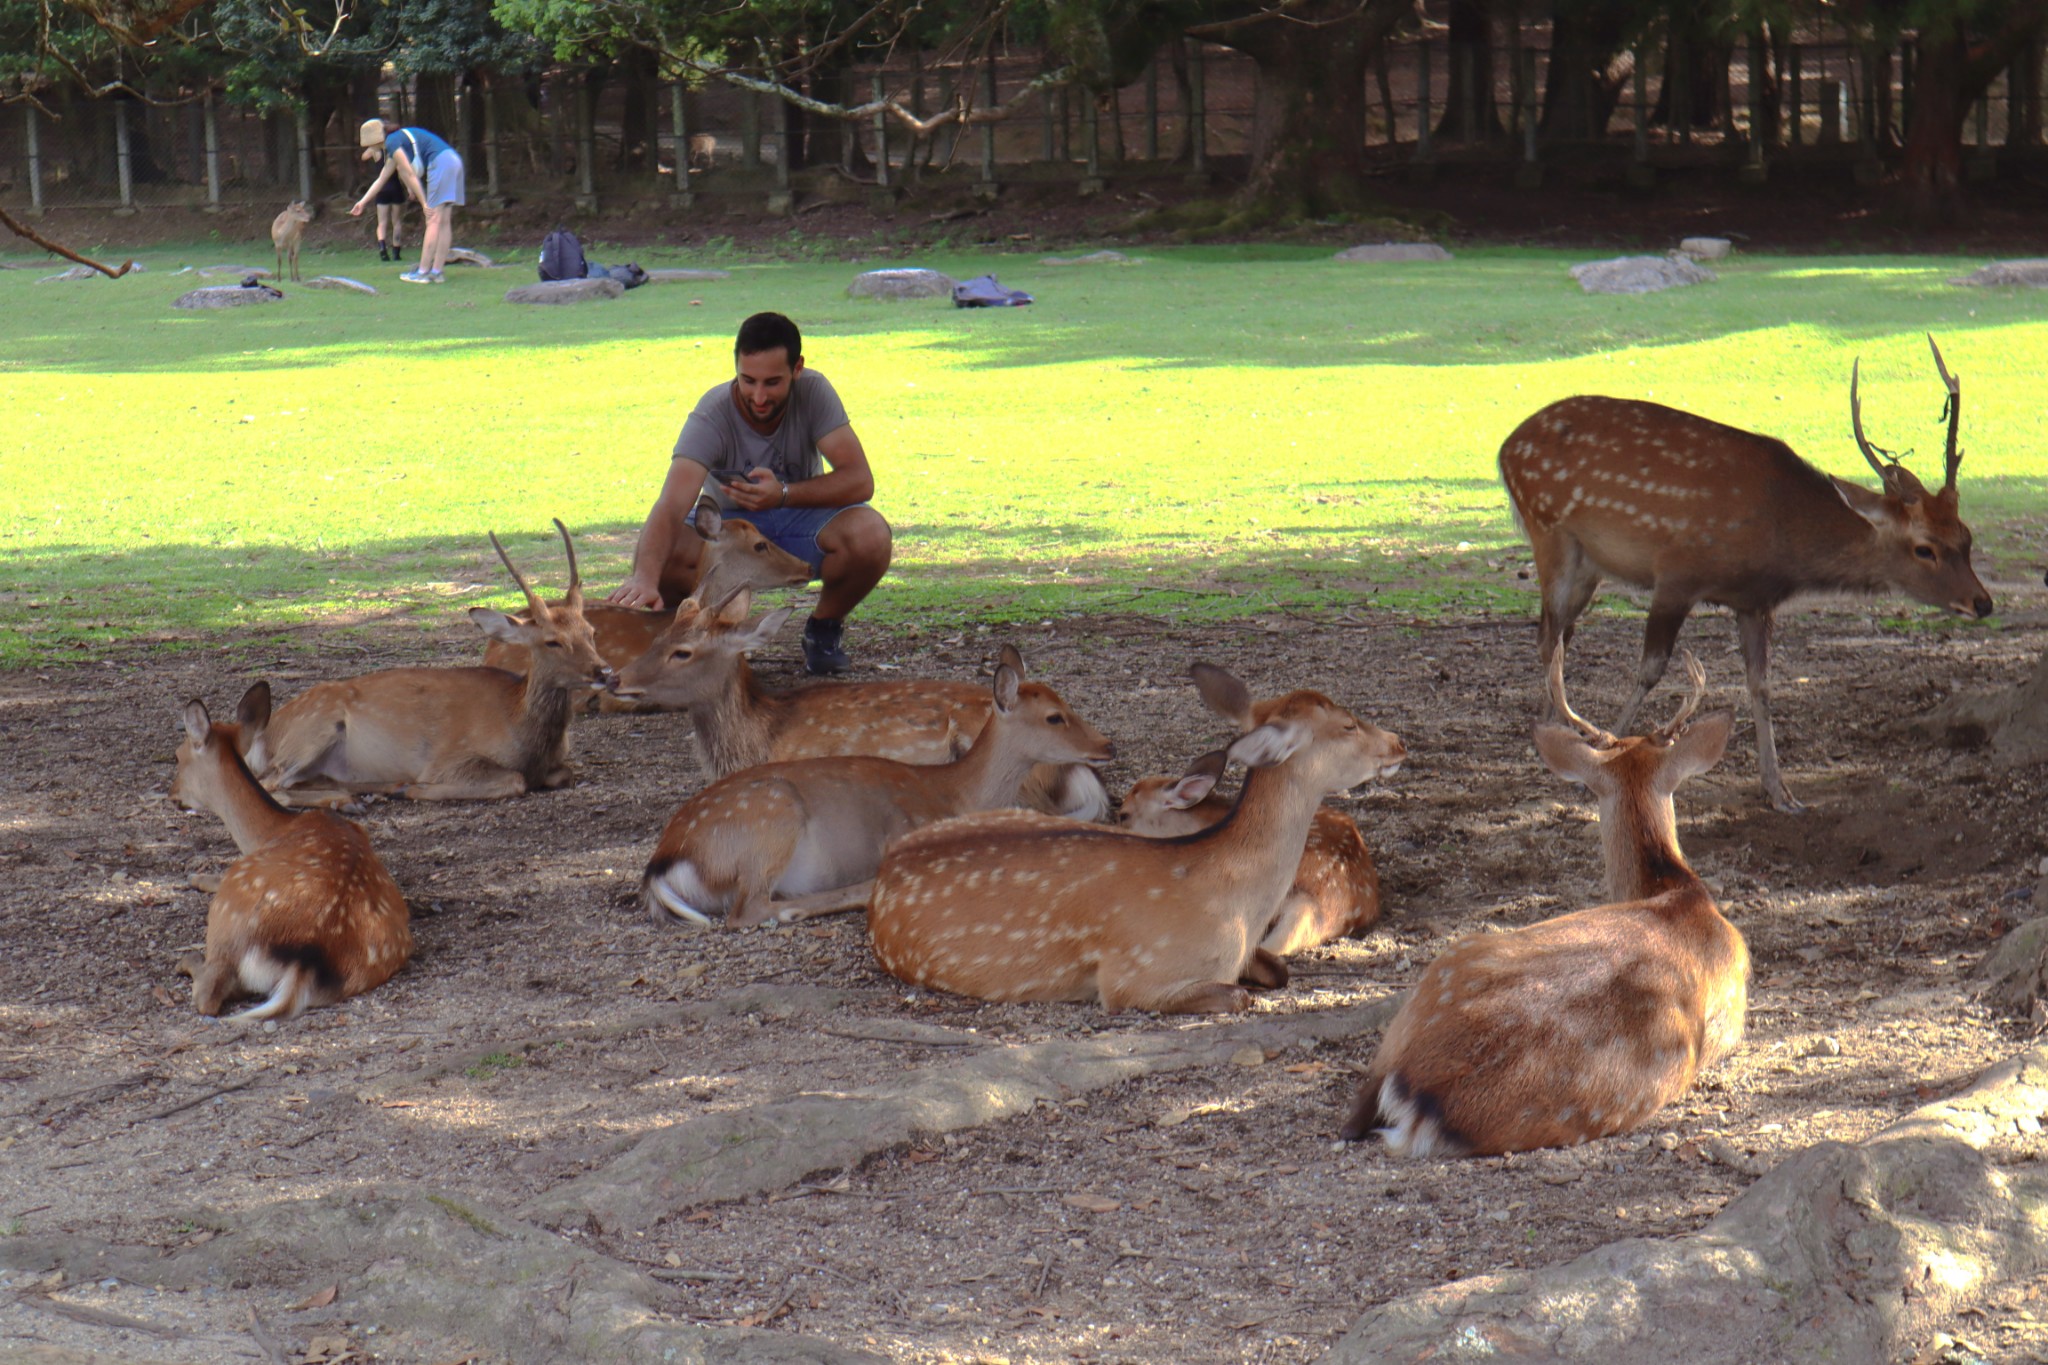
633	593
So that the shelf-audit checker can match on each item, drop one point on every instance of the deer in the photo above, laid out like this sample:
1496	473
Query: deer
735	554
703	149
286	231
1582	1026
1015	907
444	734
307	916
1700	512
1336	890
816	825
699	662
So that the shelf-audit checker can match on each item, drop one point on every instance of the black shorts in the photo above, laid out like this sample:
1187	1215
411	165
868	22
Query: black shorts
394	192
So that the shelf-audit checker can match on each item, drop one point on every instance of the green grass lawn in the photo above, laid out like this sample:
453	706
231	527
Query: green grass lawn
1214	431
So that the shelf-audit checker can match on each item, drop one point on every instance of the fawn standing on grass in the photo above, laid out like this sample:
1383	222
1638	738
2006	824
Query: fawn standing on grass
1584	1025
1336	890
700	662
307	915
820	824
1033	908
285	232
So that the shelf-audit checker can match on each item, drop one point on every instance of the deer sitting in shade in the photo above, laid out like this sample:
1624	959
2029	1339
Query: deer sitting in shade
1585	1025
307	916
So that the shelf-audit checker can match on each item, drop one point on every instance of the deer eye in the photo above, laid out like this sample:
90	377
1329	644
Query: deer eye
681	656
1055	719
554	644
761	547
1925	552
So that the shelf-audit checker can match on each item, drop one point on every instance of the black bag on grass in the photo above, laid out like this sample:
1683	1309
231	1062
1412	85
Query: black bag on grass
561	257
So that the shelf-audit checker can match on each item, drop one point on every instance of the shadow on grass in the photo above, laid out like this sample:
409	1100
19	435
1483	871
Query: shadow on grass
1198	308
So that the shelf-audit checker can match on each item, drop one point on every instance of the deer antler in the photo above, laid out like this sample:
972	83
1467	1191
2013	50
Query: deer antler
540	611
1697	677
1554	681
1870	452
1953	409
575	593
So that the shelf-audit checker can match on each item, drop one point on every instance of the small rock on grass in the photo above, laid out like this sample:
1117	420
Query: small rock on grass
227	296
566	291
673	275
1640	274
339	282
901	284
2029	274
1092	258
1707	248
1395	251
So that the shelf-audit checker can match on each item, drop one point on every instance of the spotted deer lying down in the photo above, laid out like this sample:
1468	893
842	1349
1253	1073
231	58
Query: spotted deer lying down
1336	889
307	916
735	555
443	734
1584	1025
700	663
1011	907
814	825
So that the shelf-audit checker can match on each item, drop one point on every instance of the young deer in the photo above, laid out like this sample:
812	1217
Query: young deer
735	555
700	662
444	734
820	824
1699	512
1336	890
1008	908
286	231
307	915
1587	1024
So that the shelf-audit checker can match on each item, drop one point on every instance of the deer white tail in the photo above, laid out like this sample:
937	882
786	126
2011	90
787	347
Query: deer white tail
295	980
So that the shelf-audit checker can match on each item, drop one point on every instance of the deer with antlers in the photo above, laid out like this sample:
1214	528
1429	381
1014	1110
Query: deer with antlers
812	826
1700	512
1336	889
699	662
1585	1025
307	916
1019	906
444	734
735	555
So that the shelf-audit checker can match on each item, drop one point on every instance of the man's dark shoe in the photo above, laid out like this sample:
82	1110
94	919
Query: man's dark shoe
823	654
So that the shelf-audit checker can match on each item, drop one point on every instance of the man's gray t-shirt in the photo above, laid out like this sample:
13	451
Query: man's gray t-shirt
717	437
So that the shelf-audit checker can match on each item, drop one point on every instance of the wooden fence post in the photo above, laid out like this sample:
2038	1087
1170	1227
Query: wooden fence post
124	157
35	160
679	195
988	188
1198	116
304	129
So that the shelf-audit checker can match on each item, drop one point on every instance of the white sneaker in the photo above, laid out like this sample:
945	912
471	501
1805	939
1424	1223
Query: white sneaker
416	277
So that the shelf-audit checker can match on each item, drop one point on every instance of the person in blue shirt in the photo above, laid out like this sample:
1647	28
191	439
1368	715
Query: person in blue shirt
432	171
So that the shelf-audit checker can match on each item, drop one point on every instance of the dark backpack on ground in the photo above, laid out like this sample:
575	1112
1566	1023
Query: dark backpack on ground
561	257
983	292
629	274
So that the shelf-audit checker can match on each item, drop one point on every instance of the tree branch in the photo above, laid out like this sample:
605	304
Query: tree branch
21	229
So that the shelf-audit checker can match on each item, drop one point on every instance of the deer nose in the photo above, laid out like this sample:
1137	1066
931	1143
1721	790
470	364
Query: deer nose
1983	606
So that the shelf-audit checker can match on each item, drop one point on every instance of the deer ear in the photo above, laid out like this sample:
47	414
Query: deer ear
1224	694
1008	655
252	713
1696	750
763	630
733	610
1567	754
1189	788
500	626
197	725
1872	507
1006	685
710	521
1265	745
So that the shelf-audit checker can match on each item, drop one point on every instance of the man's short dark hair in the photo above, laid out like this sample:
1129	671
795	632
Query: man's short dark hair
766	332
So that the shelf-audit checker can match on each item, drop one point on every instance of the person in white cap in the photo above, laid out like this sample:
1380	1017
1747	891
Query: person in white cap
432	171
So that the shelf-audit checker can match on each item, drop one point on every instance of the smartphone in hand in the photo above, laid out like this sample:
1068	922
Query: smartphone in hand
730	476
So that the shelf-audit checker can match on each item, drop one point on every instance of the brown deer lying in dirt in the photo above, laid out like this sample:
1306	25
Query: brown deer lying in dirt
444	734
818	824
1025	907
735	555
286	231
307	916
700	662
1584	1025
1700	512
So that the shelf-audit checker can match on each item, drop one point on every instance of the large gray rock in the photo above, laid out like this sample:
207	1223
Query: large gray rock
901	284
228	296
1092	258
674	276
1707	248
565	291
1395	251
1640	274
2031	274
339	282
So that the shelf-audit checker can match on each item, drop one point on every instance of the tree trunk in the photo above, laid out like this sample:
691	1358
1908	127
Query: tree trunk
1950	76
1584	84
1470	114
1309	107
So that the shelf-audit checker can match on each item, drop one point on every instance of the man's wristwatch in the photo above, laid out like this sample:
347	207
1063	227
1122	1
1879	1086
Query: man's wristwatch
785	494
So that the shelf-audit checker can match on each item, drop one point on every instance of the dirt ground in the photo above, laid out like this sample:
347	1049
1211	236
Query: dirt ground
1192	1213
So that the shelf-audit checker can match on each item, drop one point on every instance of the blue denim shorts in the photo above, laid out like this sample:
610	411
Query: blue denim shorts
794	529
445	180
